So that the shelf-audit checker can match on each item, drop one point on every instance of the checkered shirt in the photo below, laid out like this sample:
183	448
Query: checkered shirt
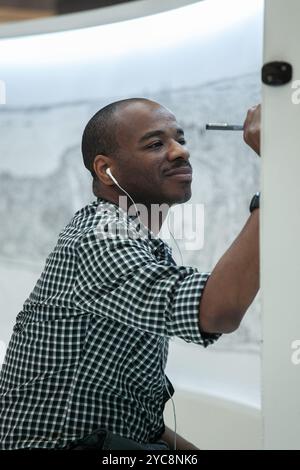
90	346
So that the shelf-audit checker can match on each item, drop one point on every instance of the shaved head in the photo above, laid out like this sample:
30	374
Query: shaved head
100	134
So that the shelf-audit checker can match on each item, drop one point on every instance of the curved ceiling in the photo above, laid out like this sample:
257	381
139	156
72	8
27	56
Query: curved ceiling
46	16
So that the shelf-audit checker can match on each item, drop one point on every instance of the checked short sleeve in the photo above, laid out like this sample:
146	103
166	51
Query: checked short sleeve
130	282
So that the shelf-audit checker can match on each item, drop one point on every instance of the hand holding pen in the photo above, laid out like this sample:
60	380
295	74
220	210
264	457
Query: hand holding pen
251	128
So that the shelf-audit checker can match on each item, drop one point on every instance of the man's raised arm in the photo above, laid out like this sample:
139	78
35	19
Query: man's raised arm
234	282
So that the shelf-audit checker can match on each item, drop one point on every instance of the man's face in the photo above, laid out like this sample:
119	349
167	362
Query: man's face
153	163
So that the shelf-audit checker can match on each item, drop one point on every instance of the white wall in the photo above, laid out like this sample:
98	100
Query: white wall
217	397
280	267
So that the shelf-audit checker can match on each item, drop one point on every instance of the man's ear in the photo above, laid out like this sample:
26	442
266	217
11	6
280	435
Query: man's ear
100	165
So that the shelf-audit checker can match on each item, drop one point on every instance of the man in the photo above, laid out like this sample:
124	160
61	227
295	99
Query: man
85	364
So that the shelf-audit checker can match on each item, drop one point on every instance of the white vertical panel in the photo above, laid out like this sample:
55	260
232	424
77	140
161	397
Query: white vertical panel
280	239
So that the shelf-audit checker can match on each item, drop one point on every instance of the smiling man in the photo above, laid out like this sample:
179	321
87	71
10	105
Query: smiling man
150	146
85	364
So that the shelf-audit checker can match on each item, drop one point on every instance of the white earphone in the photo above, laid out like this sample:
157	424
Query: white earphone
108	172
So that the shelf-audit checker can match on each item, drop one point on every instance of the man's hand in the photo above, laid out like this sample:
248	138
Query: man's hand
252	128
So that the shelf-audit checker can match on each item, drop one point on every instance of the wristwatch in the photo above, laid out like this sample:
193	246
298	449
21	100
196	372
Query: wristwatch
254	204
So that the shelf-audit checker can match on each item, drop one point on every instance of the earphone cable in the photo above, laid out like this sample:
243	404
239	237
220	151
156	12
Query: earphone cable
165	383
177	246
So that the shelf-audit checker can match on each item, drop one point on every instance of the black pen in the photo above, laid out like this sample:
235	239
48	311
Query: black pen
223	126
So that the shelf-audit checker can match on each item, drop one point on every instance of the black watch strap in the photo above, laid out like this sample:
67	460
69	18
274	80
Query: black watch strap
254	204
